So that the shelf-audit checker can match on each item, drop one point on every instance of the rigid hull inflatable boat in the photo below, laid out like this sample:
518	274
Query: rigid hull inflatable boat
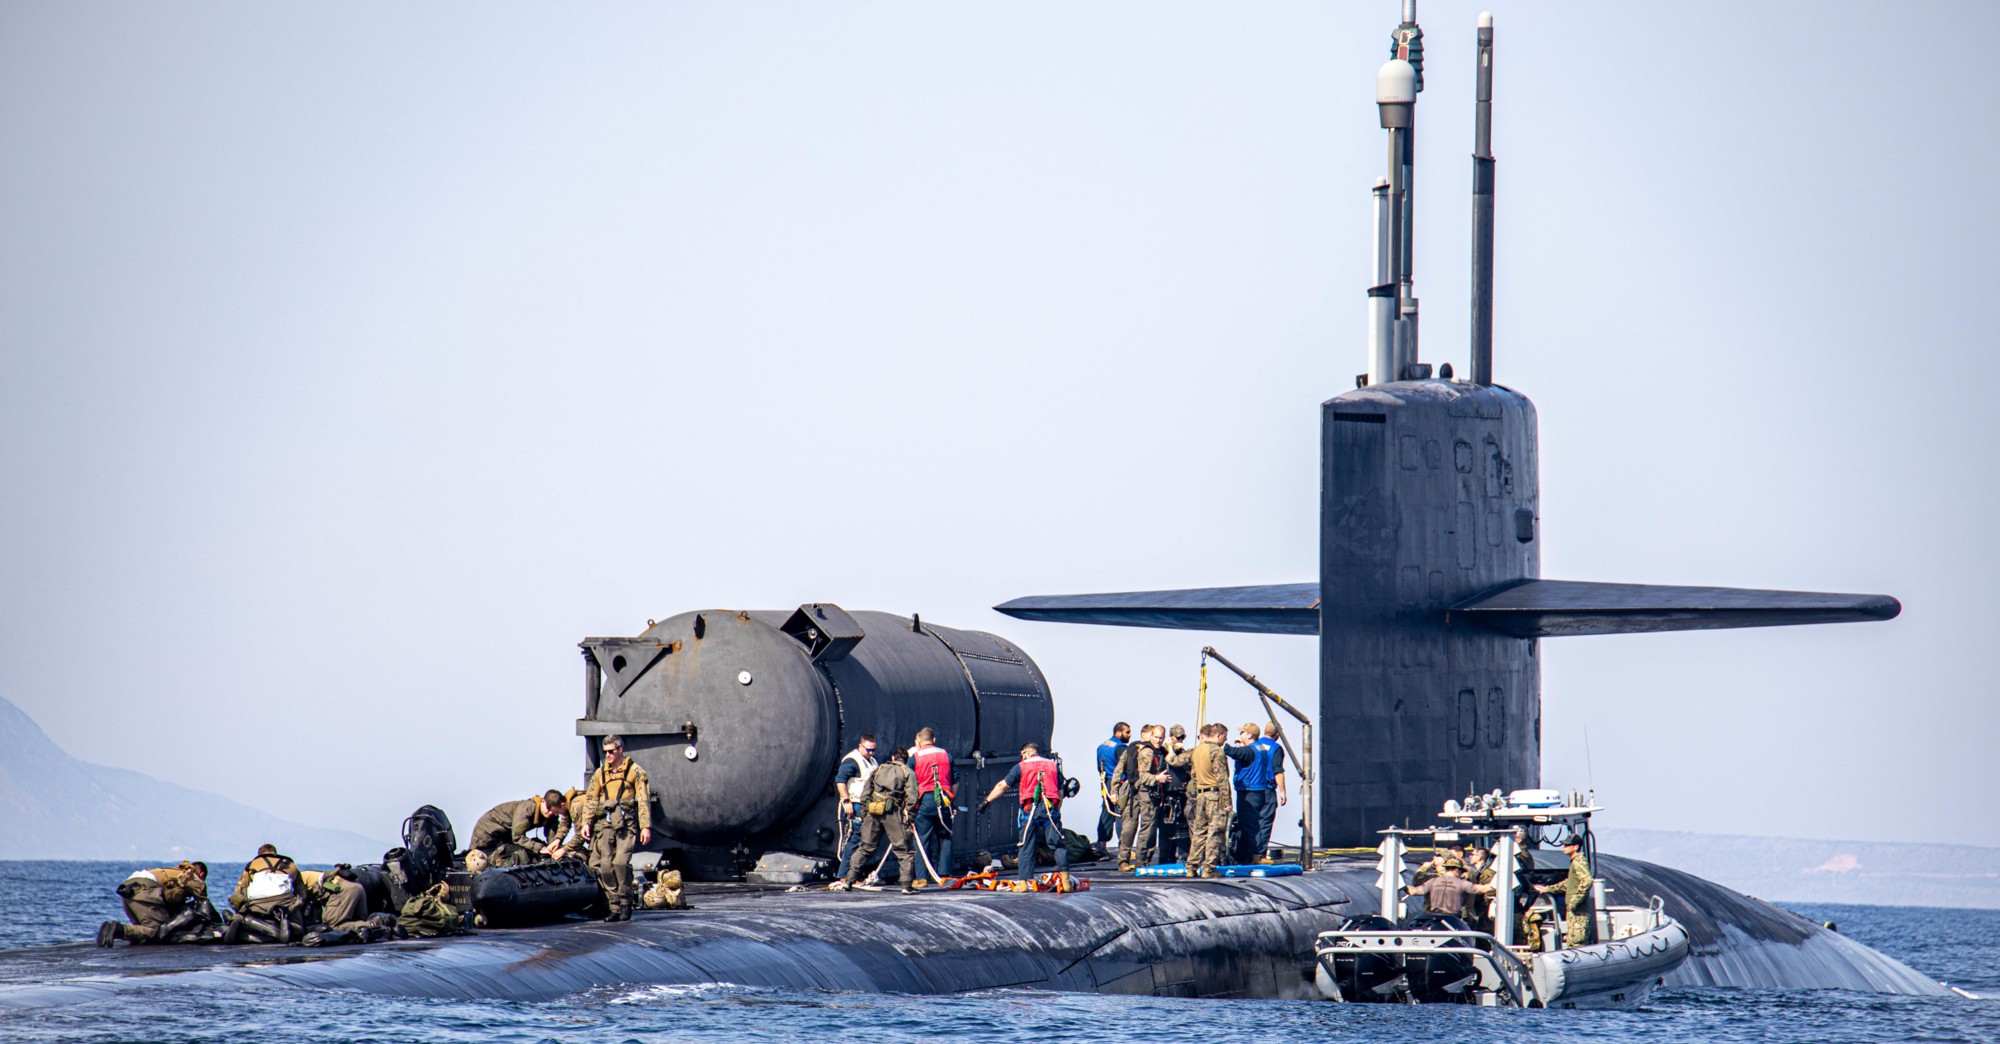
1613	958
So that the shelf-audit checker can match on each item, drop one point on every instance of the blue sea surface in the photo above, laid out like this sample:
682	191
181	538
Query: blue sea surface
51	902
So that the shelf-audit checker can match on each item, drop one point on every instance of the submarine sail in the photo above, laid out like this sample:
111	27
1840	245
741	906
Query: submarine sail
1430	600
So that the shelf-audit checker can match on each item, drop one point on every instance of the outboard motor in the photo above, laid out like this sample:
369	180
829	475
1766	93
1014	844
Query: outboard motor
1365	975
1444	975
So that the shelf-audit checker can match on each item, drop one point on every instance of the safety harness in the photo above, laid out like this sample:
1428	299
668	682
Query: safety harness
942	809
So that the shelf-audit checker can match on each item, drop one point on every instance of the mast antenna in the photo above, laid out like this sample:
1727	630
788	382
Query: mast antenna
1482	211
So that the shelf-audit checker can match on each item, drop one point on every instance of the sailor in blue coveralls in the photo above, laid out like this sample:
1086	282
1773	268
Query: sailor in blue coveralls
1108	753
1260	789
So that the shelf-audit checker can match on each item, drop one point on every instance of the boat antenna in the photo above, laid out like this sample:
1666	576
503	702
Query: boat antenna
1589	770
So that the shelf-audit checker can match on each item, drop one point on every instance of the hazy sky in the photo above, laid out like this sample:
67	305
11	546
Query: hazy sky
359	360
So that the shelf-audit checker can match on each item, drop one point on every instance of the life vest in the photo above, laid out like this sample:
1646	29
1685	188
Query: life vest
1040	778
1211	767
619	788
857	788
933	768
1128	763
576	809
1109	753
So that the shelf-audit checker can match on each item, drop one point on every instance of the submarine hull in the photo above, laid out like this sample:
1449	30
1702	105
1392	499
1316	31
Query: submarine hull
1231	938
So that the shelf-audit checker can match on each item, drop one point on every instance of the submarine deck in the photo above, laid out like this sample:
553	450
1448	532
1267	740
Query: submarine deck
1228	938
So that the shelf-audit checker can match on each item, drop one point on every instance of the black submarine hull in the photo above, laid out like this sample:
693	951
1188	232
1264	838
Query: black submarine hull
1237	938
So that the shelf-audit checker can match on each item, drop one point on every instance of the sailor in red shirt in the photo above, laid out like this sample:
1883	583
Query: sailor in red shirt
1039	782
932	765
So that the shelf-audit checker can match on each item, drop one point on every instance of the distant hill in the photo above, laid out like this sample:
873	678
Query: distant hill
62	808
1800	871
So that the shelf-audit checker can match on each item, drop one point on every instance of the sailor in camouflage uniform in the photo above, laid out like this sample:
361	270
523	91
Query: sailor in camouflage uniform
160	903
1140	767
1208	801
505	832
620	800
1576	895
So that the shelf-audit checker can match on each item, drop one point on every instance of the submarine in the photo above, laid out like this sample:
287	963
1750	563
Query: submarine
1429	609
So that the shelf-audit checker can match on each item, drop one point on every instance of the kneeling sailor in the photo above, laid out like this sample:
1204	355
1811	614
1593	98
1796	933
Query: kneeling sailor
161	903
269	899
504	832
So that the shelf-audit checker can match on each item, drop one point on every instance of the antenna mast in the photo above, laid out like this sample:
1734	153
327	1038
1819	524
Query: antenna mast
1482	211
1407	44
1392	304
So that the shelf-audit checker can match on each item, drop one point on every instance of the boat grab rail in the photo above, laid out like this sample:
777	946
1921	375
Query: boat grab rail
1508	965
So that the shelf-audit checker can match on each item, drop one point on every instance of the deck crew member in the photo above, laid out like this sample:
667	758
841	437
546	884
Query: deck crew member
1109	811
569	826
931	764
1170	802
343	902
160	902
504	832
1447	892
1479	870
1141	768
887	811
1208	789
270	889
1038	782
850	787
1431	868
620	799
1260	789
1575	890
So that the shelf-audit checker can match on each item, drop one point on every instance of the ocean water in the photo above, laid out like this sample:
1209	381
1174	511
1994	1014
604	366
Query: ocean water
48	902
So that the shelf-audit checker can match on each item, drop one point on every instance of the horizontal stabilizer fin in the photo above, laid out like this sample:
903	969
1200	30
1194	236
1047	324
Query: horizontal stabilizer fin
1267	609
1552	608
